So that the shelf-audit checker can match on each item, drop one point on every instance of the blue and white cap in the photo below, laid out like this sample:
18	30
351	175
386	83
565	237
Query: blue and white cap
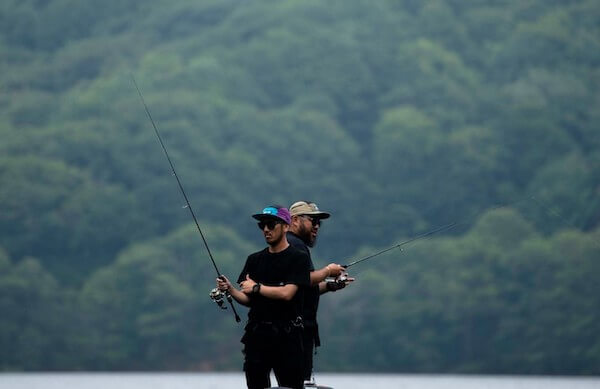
274	212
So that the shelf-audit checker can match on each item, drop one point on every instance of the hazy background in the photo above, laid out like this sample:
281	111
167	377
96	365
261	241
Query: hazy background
395	116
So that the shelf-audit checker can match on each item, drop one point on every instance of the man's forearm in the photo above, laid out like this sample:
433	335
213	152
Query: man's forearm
317	276
239	296
285	292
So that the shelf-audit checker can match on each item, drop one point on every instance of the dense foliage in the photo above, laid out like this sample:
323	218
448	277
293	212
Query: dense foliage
396	116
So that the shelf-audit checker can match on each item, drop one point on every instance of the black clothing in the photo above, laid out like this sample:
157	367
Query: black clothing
309	340
311	295
289	266
310	335
268	346
272	337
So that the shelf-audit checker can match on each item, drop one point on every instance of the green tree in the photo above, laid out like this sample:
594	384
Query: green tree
35	316
48	201
150	309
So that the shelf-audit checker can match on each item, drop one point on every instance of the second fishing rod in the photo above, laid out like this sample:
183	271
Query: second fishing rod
445	227
399	245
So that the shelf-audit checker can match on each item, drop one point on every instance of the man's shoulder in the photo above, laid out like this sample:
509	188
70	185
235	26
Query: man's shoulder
258	254
298	258
294	240
296	251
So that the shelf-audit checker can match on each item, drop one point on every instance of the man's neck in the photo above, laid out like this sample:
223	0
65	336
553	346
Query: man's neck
280	246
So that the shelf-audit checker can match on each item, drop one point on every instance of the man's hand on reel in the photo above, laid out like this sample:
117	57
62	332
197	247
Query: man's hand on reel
340	282
334	270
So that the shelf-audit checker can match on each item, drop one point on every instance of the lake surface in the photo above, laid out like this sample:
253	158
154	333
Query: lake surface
236	380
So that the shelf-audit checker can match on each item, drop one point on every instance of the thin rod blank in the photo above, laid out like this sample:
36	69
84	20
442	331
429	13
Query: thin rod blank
423	235
189	206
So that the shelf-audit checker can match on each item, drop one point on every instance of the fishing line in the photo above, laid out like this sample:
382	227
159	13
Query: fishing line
554	212
188	205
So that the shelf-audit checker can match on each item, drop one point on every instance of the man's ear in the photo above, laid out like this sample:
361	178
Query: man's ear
294	220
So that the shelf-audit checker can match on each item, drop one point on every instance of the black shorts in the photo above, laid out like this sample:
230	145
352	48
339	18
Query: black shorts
267	347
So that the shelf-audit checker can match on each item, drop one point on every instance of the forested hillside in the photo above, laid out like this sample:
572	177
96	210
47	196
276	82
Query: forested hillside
396	116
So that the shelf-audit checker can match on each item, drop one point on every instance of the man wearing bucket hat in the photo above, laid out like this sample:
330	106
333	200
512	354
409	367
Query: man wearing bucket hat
272	284
306	220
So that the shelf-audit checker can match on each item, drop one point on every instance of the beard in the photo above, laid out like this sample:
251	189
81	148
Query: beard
306	236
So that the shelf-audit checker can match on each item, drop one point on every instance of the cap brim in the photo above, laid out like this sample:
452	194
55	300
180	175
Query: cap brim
319	214
263	216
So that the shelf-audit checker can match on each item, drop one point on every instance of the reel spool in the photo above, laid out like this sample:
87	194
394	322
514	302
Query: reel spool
218	297
337	283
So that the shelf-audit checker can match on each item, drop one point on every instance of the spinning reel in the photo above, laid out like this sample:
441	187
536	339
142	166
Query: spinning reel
219	296
338	283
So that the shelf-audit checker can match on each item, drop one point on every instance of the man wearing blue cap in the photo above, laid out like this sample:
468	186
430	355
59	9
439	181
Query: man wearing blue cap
272	284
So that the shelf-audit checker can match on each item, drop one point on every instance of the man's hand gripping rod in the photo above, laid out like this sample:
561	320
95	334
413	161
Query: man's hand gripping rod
216	295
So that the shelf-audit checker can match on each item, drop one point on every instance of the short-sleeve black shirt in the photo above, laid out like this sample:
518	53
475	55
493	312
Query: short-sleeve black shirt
290	266
311	296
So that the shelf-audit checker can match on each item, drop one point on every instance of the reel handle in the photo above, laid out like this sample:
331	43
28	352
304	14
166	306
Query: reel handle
219	296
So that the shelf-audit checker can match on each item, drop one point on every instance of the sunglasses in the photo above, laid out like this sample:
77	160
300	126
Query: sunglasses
270	224
314	220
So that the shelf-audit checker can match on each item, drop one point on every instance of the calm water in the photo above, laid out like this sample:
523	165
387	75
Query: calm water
236	380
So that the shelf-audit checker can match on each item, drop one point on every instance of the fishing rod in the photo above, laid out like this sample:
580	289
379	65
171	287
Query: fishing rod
399	245
447	227
217	295
436	230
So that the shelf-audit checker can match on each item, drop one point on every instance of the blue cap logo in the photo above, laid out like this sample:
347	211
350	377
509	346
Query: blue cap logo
270	211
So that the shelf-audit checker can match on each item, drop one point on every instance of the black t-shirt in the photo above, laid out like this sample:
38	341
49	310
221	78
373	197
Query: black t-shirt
311	295
289	266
